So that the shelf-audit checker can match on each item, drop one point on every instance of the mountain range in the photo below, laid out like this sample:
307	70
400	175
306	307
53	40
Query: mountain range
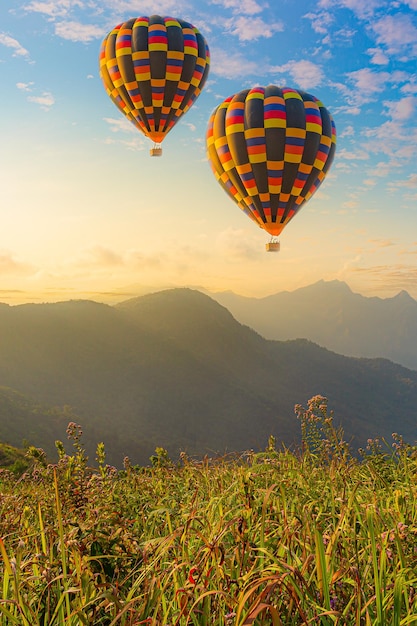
176	369
330	314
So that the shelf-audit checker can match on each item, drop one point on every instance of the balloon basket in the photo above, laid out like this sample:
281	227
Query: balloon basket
156	151
272	246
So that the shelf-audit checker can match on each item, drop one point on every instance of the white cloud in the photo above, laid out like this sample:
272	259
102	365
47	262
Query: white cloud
250	29
25	86
378	57
53	8
305	73
350	204
411	181
137	140
120	124
10	42
248	7
75	31
396	32
384	168
361	8
399	186
409	88
320	22
349	131
232	65
401	109
366	84
358	155
46	100
367	81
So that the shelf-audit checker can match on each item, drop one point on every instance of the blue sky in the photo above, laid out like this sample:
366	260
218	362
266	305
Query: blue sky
85	212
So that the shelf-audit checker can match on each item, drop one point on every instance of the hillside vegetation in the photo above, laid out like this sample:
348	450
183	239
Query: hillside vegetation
281	538
175	369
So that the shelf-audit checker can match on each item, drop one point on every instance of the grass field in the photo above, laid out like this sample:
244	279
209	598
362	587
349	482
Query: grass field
282	537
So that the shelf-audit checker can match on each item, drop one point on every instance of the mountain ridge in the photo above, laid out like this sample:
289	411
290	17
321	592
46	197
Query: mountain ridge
331	314
175	369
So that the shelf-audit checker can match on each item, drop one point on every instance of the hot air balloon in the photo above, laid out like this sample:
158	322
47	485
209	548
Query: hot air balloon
153	68
270	148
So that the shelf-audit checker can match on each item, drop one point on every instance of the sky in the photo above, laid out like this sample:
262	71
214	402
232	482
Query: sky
85	212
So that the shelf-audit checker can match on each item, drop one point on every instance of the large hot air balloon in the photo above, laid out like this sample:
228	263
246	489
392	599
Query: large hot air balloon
153	68
270	149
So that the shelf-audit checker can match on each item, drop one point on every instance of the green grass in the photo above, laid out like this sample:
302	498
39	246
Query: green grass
281	537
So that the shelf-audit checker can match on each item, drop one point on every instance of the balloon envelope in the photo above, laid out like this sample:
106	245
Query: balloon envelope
270	149
153	68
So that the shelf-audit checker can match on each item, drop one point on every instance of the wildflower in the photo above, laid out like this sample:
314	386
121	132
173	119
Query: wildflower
191	578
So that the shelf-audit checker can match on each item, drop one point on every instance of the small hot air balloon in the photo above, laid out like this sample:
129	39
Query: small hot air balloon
270	149
153	68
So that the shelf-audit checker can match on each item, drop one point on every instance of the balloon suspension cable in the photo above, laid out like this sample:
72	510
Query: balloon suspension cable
156	151
273	245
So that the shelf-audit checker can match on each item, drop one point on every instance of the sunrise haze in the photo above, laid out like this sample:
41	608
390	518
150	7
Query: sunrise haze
86	213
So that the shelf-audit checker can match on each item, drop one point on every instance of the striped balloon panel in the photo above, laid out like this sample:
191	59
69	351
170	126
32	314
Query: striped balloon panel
153	68
275	146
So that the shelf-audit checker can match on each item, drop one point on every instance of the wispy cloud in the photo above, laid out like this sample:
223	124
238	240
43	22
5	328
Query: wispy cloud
230	65
176	8
349	131
401	109
385	168
9	265
25	86
121	124
246	7
305	73
235	245
10	42
76	31
357	155
45	100
320	22
252	28
382	243
392	139
378	56
99	255
368	82
389	277
54	8
397	32
408	183
365	85
359	7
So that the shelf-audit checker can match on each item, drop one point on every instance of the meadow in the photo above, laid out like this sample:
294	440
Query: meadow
319	535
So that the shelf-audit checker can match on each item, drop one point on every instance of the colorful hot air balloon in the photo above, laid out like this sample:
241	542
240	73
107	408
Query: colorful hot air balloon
153	68
270	149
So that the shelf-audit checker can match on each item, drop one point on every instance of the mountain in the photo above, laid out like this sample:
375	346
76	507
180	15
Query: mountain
23	420
330	314
175	369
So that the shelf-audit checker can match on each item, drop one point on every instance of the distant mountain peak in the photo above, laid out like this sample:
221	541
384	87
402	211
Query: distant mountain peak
333	284
404	296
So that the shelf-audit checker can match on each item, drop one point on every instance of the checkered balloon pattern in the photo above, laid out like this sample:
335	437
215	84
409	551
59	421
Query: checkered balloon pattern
270	149
153	68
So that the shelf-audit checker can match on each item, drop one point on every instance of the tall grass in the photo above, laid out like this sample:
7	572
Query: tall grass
315	536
